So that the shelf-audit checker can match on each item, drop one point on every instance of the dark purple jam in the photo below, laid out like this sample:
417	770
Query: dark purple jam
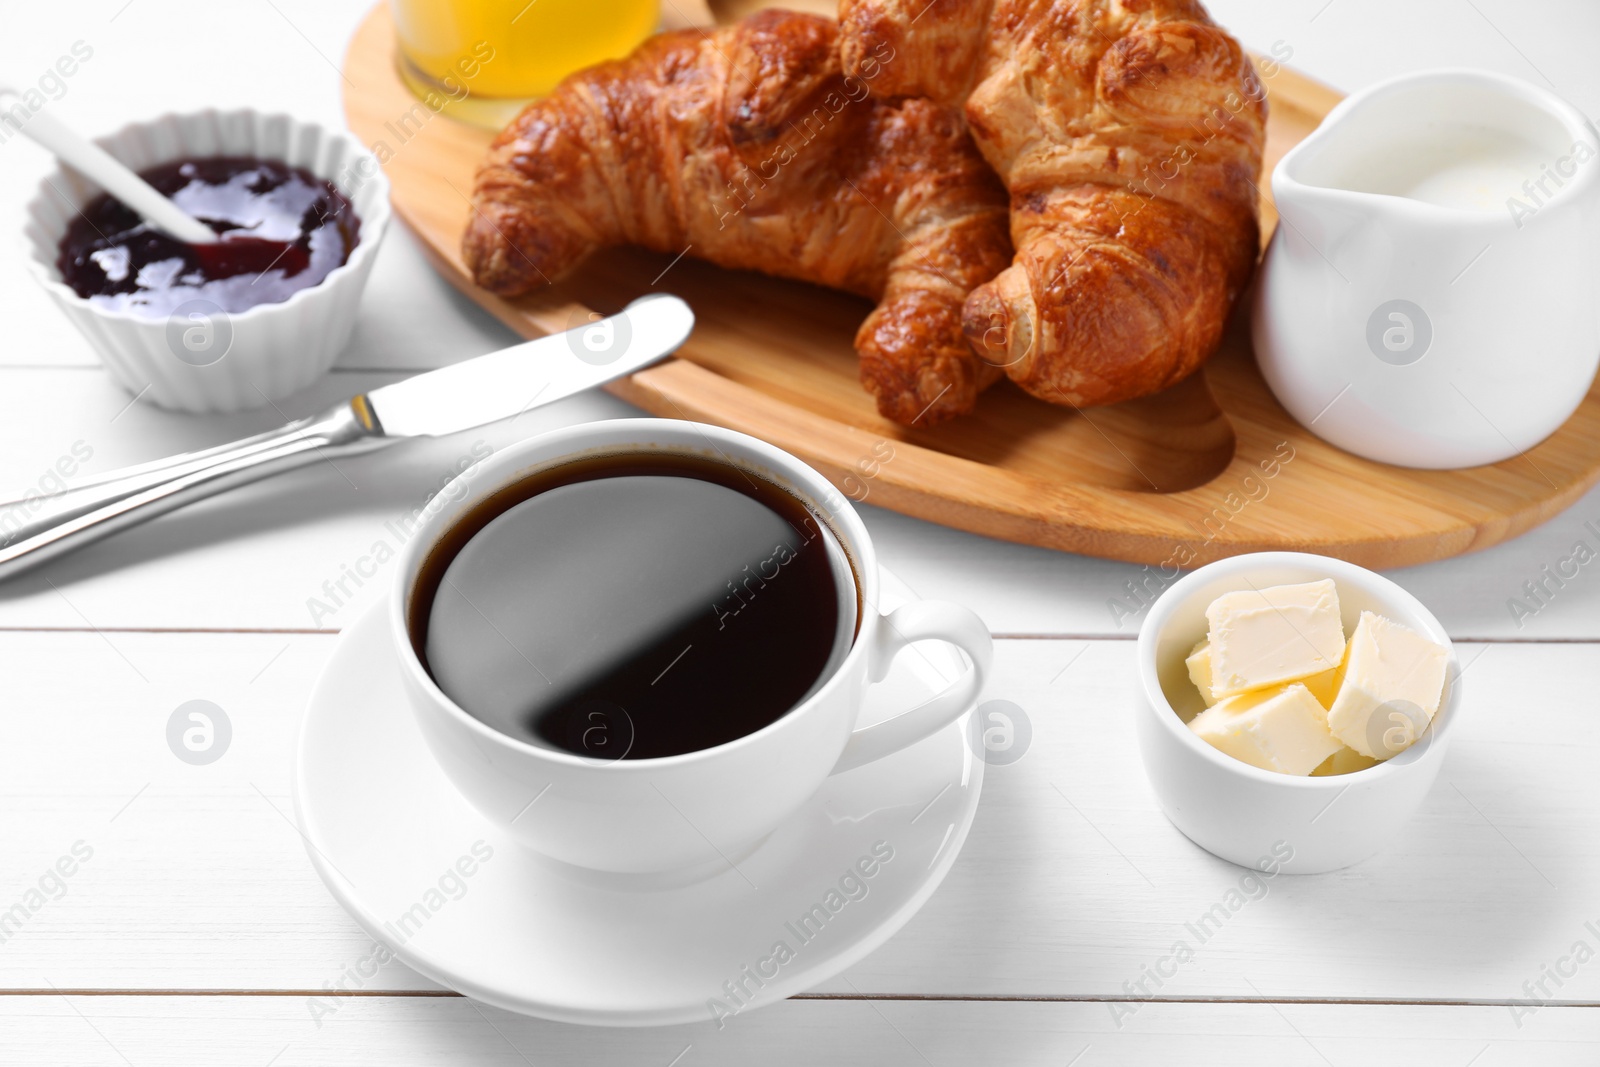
283	229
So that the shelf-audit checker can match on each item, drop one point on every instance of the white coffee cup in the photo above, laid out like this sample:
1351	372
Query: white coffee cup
1245	814
708	807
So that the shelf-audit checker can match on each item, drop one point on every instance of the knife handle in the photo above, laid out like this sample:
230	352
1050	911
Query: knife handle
37	528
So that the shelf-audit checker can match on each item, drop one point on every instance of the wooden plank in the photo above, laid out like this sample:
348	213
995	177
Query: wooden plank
258	557
1071	884
398	1032
1531	588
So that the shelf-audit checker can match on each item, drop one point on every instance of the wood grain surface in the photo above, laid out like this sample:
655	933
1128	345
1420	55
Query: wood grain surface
190	1031
1155	481
199	932
1070	884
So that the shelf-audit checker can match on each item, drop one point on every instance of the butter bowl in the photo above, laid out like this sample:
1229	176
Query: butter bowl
1250	816
242	359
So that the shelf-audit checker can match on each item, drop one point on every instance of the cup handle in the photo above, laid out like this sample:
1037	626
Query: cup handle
921	621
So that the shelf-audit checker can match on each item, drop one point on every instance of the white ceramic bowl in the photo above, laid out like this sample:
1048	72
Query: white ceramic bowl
1242	813
250	357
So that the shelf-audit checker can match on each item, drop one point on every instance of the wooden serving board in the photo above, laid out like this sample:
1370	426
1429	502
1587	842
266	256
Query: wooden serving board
1211	468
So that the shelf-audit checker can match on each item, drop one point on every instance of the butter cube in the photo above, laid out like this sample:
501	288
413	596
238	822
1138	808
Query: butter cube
1283	730
1199	664
1325	686
1393	681
1267	637
1344	761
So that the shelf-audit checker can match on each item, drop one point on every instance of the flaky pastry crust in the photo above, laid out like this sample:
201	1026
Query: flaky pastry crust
747	146
1129	134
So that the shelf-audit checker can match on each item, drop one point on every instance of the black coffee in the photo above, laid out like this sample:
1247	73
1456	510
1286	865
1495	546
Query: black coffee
634	606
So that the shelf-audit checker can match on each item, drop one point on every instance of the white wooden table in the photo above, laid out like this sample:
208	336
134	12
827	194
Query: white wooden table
196	932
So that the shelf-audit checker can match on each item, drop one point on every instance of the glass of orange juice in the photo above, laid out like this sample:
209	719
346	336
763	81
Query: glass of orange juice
483	60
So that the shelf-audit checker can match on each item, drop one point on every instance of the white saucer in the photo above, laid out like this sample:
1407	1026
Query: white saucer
386	831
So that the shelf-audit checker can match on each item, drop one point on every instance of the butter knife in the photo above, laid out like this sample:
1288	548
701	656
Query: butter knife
467	394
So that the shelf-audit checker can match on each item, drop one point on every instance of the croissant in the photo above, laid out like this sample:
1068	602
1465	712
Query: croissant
1129	134
748	147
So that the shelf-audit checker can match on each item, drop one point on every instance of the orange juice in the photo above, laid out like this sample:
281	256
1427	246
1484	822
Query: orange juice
486	58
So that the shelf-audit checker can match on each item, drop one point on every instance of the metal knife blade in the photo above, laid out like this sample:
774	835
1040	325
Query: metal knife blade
491	387
507	382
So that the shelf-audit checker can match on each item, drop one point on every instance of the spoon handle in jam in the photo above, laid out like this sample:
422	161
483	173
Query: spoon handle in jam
109	173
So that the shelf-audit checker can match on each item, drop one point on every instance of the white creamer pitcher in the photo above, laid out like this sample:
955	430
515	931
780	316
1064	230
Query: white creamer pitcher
1430	296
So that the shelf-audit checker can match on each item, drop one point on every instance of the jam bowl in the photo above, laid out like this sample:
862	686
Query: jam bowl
240	323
